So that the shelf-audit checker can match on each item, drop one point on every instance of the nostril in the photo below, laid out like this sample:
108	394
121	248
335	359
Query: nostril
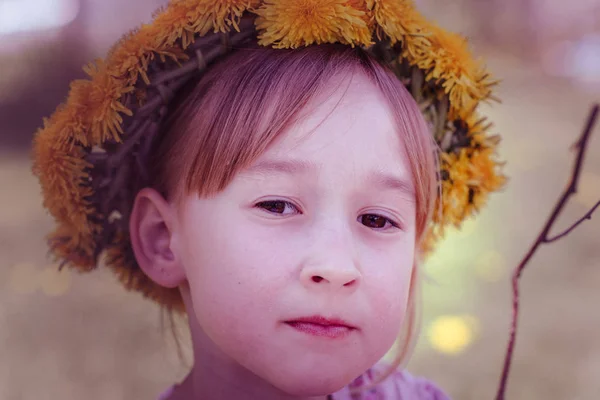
317	279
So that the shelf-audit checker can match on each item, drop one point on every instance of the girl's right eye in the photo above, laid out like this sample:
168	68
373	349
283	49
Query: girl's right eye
276	206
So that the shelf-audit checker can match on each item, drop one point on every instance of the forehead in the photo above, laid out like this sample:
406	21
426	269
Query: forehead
378	178
346	131
349	125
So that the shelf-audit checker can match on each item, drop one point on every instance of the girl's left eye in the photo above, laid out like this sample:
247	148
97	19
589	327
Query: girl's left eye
375	221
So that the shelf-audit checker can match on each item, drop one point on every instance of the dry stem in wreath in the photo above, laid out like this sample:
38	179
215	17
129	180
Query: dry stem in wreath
580	146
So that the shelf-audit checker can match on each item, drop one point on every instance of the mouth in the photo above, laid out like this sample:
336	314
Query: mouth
321	326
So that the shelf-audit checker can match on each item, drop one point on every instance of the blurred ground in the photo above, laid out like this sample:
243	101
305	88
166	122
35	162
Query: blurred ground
69	336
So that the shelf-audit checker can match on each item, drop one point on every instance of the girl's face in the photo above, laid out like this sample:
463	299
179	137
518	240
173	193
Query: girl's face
322	224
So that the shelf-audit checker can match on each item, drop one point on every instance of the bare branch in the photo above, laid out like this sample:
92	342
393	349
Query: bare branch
581	146
588	215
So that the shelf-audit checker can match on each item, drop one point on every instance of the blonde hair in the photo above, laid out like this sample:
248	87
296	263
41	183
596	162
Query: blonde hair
229	117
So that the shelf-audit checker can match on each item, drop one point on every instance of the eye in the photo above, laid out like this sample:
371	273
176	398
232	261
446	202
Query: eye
375	221
276	206
378	222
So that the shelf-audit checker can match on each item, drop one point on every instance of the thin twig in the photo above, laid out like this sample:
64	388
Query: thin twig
581	146
587	215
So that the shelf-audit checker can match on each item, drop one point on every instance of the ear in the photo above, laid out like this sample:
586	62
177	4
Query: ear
151	230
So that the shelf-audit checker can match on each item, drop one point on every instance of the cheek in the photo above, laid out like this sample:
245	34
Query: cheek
229	270
389	291
390	297
234	287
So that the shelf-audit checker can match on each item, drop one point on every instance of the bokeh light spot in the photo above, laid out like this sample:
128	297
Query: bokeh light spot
451	334
55	282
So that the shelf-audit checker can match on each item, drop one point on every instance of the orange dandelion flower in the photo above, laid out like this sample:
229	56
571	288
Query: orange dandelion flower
401	22
295	23
218	15
448	61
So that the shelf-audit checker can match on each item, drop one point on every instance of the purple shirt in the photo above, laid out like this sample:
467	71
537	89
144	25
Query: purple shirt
400	385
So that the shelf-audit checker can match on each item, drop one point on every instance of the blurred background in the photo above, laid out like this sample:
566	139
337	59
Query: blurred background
68	336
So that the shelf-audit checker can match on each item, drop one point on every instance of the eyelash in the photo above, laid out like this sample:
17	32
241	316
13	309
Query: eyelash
287	203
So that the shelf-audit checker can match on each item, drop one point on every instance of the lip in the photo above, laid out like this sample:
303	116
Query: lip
318	325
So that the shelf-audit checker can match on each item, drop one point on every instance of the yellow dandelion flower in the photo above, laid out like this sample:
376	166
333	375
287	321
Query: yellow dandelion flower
484	171
483	158
295	23
106	123
131	55
455	190
68	243
174	23
61	170
217	15
368	16
67	121
401	22
449	62
472	175
103	107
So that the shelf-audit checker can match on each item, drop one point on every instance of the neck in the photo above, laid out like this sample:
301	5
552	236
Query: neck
215	376
209	386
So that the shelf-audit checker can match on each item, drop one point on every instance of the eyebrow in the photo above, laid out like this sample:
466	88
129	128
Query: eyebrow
380	179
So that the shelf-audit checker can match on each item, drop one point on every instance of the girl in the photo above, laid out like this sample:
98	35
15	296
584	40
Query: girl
297	274
276	189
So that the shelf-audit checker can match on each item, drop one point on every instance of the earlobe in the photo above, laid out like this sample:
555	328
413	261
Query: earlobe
151	230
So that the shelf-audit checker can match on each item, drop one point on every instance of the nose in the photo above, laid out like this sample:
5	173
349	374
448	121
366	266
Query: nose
330	276
331	270
331	259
